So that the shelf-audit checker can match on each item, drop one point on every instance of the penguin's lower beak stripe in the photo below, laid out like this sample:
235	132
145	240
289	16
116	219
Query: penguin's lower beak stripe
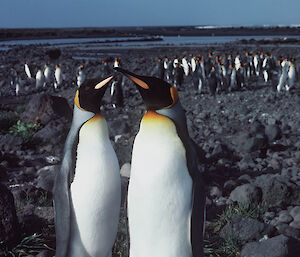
103	82
138	82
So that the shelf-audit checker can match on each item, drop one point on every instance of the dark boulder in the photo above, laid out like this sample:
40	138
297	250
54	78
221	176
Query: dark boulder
279	246
9	226
272	132
44	108
245	229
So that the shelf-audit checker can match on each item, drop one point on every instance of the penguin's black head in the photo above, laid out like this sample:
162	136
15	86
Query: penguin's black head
156	93
88	97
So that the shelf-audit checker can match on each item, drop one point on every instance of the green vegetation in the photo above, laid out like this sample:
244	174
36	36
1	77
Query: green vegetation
219	247
45	200
23	130
29	245
215	246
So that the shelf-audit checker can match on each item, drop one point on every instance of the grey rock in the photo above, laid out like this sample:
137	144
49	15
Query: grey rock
297	217
125	170
8	142
255	143
9	226
285	218
279	246
295	224
43	108
46	176
274	191
244	179
256	127
53	133
229	185
295	211
272	132
118	127
221	201
269	215
246	193
29	170
29	221
245	229
215	192
46	213
288	231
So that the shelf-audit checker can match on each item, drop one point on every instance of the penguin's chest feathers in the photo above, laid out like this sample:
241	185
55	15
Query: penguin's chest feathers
159	161
97	168
158	145
160	191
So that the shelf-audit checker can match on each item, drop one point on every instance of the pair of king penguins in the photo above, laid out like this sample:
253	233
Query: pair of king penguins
166	199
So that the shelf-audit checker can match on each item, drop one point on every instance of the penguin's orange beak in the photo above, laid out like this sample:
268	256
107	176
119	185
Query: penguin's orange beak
103	82
133	77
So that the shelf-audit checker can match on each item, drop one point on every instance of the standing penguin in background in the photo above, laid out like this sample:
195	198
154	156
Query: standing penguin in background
159	69
186	67
58	77
116	92
166	199
178	76
292	75
16	81
80	77
212	81
283	80
28	71
39	79
47	74
87	190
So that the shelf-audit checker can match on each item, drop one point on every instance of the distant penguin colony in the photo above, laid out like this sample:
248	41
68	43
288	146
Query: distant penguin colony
210	72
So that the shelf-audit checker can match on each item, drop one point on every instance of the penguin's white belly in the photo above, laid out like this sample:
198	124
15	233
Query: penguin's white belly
95	194
159	197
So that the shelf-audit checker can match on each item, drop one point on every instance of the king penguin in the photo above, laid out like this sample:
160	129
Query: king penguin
166	199
87	191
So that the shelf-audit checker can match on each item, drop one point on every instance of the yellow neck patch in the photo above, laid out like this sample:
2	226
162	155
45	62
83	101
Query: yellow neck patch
76	100
97	117
152	116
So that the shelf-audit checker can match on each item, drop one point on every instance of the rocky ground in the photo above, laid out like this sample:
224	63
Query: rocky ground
251	139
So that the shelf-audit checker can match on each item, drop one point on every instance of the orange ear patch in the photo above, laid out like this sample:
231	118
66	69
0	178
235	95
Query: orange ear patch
76	100
103	82
139	82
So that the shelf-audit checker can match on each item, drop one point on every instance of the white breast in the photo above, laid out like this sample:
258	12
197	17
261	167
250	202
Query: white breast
95	190
40	79
159	195
47	73
58	76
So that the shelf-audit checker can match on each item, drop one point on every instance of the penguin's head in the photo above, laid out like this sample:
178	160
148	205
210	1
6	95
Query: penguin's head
157	94
88	97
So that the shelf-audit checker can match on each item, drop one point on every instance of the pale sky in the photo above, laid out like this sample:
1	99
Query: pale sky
106	13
